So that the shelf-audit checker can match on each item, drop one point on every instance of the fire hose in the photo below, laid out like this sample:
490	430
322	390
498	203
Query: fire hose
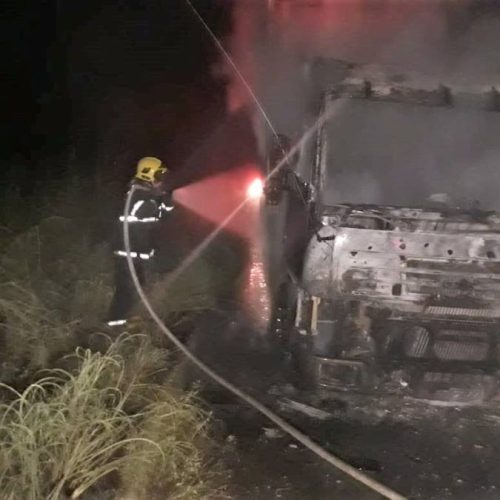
299	436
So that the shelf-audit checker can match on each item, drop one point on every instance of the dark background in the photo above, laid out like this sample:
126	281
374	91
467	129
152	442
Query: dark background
94	85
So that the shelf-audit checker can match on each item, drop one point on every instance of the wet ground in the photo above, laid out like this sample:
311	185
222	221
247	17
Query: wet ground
418	449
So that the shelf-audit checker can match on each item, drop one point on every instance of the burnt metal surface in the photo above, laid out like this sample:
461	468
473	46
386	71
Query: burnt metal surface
434	263
404	279
429	285
485	98
455	387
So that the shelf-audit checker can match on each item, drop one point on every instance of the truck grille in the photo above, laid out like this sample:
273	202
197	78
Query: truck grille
463	312
416	342
446	345
455	345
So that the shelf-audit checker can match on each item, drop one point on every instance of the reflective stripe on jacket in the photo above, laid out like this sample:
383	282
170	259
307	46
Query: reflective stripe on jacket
147	206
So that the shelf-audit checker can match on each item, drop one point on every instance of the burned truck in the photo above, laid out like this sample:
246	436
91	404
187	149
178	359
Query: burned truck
392	282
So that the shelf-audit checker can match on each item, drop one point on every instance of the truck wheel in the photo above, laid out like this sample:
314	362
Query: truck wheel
302	372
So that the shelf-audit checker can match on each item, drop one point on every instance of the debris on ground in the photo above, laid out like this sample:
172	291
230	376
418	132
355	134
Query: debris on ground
272	433
310	411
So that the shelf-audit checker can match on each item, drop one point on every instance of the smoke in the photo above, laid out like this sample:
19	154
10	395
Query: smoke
389	154
273	69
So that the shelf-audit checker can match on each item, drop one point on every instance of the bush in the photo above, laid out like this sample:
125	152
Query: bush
105	426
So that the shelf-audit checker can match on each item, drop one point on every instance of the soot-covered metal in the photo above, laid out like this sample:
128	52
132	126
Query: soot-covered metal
394	299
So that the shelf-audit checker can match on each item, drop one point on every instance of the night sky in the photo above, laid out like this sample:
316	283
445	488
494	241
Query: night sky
94	85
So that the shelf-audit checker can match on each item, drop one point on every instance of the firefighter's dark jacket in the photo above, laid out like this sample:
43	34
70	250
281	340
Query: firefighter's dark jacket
147	207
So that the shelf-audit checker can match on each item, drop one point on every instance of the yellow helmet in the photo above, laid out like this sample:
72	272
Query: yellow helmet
149	168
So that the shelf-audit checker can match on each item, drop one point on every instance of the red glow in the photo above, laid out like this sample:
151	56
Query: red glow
255	189
215	198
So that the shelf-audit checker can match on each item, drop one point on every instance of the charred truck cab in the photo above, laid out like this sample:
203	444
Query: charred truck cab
399	298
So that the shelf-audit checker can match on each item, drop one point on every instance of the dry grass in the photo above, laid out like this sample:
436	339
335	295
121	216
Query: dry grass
31	334
111	424
71	434
175	423
67	273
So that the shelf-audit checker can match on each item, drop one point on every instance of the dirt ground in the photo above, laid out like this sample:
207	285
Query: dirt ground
420	450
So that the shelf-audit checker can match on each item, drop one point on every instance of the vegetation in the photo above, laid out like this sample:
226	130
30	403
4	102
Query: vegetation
106	425
82	414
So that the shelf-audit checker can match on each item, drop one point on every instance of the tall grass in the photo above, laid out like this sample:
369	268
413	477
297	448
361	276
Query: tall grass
57	262
32	335
71	434
111	424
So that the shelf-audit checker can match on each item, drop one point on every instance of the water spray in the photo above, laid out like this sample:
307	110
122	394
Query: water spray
210	238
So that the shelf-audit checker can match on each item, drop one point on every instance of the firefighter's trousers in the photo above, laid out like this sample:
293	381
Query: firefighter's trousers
125	297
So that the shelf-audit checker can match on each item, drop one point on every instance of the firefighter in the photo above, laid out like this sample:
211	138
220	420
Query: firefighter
148	205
